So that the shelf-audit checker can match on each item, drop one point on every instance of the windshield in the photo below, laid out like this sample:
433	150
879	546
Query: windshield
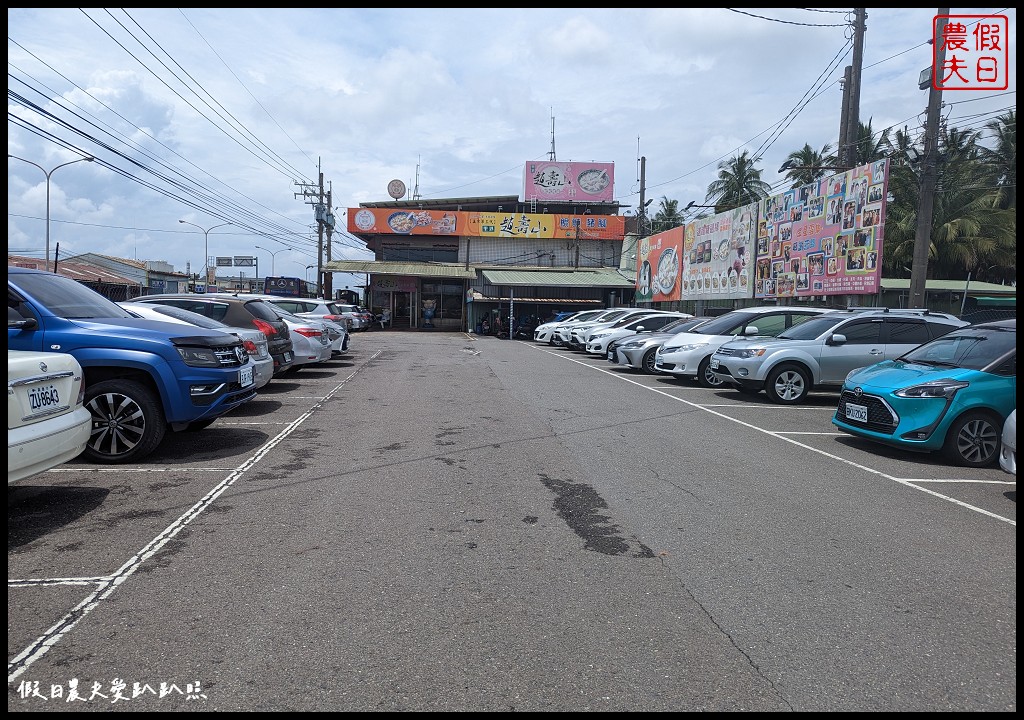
68	298
973	349
187	316
682	325
729	324
812	328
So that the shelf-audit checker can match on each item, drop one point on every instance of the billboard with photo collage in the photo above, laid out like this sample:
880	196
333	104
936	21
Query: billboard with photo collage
824	238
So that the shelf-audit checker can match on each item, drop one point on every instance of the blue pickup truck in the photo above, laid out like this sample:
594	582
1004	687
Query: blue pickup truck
142	377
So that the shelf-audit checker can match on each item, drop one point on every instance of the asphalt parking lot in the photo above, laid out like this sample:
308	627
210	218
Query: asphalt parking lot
987	490
449	522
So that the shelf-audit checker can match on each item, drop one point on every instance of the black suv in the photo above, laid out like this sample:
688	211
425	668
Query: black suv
240	312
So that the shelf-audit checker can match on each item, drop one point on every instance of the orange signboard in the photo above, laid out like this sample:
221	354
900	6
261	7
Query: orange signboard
485	224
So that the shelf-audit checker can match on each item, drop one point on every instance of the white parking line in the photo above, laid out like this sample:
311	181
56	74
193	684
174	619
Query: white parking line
107	585
781	436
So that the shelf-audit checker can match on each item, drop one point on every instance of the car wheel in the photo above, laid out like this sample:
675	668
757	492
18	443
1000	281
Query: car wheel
706	378
788	385
973	440
127	421
647	364
199	425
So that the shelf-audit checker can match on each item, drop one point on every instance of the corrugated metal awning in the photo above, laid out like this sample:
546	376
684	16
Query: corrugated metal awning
590	277
376	267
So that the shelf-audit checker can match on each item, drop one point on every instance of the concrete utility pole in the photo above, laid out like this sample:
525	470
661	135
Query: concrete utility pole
328	289
926	201
844	119
853	125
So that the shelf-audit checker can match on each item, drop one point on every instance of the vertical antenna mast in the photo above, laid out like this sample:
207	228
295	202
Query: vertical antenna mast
551	155
416	188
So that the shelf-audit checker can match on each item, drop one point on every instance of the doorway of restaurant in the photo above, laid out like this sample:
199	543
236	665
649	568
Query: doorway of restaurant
401	310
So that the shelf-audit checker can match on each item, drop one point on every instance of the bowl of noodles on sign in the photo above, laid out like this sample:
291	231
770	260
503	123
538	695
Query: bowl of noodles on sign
668	269
593	181
402	222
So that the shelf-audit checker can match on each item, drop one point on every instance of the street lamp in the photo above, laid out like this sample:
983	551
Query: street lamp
273	255
88	158
206	260
307	271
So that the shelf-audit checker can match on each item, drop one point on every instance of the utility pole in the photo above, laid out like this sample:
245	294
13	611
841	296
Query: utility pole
853	125
315	197
844	119
641	215
328	289
926	201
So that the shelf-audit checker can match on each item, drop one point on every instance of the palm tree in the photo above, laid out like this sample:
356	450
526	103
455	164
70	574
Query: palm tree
1002	159
739	183
807	164
668	215
869	148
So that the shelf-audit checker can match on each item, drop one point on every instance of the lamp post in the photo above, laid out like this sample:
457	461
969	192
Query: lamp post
273	255
206	247
48	174
307	271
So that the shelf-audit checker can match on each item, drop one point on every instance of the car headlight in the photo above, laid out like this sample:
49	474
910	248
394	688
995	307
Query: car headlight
747	353
631	345
688	348
943	388
598	336
198	356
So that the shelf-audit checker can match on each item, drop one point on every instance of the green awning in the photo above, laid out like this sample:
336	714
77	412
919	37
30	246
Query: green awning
582	278
997	301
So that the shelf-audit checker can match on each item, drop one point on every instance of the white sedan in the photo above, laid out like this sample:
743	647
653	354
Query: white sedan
47	422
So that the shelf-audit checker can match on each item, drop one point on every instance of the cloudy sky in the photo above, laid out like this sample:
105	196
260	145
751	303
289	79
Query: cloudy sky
215	116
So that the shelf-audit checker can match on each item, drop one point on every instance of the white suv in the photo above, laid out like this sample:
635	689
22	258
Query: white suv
688	354
821	352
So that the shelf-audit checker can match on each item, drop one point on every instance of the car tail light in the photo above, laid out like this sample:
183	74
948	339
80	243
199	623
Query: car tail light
264	327
250	347
309	332
334	318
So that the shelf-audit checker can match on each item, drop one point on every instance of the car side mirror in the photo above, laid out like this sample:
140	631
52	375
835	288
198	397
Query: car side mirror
837	339
26	324
750	330
639	328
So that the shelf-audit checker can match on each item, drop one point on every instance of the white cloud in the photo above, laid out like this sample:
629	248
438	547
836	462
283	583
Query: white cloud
366	95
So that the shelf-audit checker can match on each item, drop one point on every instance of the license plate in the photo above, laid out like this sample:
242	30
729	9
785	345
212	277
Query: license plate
42	398
857	413
287	357
713	364
245	376
611	355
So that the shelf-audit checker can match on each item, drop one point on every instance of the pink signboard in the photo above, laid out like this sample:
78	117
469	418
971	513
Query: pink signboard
568	181
824	238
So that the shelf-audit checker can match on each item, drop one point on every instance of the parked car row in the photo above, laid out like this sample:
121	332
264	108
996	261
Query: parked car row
139	369
918	380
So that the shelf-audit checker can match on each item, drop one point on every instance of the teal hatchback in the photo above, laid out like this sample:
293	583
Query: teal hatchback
951	395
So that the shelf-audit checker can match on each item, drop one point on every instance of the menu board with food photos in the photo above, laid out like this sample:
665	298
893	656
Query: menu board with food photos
824	238
658	266
717	255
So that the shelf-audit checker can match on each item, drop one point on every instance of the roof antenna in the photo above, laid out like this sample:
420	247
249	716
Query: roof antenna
551	153
416	188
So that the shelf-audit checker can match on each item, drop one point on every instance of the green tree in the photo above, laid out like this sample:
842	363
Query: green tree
807	164
970	233
1002	159
739	183
668	215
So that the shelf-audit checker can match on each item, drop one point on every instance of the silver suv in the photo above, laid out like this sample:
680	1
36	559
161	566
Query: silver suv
687	354
819	353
